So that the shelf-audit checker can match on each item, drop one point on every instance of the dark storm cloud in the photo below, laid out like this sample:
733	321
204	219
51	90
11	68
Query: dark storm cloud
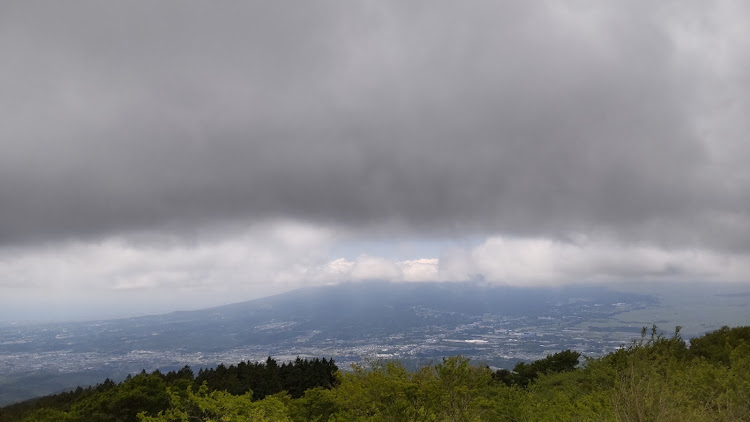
517	117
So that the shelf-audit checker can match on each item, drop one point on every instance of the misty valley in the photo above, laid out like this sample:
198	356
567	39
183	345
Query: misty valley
416	324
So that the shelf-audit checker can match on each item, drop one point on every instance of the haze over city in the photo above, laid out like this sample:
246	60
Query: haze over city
157	156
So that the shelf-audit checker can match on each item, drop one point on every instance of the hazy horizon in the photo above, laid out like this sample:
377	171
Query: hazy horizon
708	295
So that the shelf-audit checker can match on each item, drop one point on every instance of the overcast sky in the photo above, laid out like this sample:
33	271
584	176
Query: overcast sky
180	154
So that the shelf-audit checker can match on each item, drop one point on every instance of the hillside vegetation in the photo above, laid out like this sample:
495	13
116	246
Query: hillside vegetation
656	378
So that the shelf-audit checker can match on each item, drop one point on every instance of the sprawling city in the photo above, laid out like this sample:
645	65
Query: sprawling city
396	324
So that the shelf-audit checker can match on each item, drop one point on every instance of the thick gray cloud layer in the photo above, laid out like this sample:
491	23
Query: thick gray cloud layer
526	118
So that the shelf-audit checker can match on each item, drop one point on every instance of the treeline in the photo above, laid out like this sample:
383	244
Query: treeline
655	378
149	393
265	379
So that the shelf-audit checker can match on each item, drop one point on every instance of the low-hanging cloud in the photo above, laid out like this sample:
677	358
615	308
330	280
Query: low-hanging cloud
540	262
544	119
115	275
187	154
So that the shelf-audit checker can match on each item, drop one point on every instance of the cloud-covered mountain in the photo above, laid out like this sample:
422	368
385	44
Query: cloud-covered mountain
173	129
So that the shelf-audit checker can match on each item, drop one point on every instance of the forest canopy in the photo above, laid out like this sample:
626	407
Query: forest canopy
654	378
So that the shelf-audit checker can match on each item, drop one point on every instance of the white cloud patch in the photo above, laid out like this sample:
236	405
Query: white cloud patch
425	269
253	262
375	268
368	267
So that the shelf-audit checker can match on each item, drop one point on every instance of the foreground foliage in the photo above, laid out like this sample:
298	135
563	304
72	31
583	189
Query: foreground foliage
656	378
